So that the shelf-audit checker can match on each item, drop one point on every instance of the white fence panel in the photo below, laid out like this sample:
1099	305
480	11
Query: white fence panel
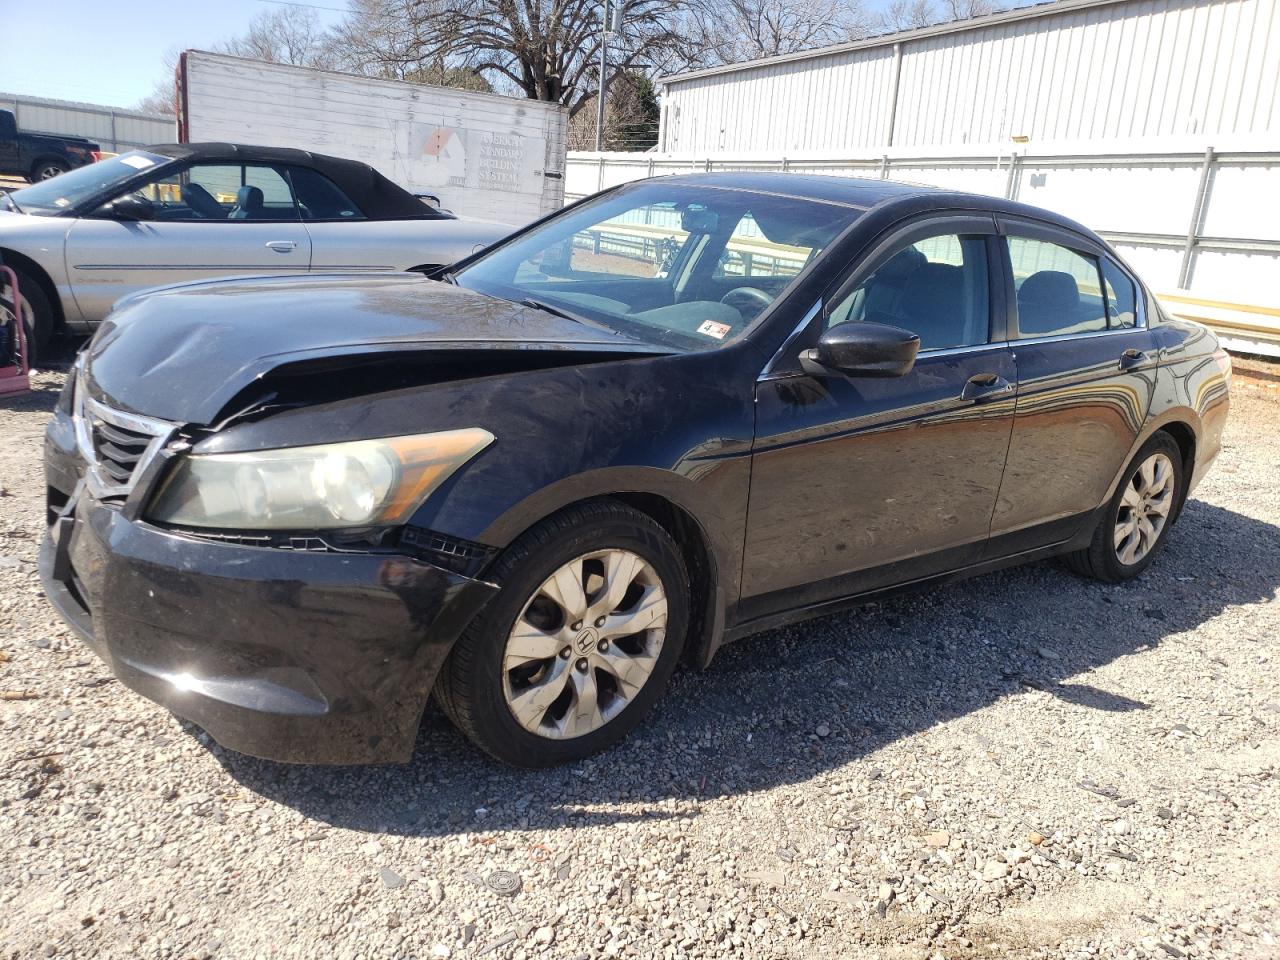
1147	205
1243	200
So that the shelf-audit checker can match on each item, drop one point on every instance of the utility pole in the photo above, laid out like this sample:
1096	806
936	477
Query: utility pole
610	20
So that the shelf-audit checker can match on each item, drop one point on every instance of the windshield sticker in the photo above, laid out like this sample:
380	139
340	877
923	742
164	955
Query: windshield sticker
141	163
712	329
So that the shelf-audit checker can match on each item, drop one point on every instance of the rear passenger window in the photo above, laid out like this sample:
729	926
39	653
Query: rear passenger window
319	198
937	288
1121	297
1059	290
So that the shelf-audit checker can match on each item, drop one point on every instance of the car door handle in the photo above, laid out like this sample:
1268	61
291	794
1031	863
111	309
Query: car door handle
985	386
282	246
1132	358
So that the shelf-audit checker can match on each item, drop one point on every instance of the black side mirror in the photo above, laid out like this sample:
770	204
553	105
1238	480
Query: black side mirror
129	207
862	350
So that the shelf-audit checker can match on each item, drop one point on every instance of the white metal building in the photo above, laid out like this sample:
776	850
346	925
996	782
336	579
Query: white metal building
1074	70
115	129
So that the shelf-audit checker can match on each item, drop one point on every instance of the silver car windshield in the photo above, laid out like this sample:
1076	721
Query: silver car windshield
69	189
682	265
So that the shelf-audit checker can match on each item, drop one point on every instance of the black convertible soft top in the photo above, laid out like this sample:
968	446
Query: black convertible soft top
378	197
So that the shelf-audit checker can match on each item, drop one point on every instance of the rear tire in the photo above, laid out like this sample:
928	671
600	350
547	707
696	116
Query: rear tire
47	170
1137	520
594	681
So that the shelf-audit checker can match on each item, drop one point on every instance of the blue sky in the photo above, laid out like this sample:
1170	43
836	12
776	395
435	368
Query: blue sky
112	51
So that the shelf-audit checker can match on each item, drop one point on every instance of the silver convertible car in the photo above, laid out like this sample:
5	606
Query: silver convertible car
165	214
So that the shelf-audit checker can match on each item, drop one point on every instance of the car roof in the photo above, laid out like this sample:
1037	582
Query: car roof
864	193
378	197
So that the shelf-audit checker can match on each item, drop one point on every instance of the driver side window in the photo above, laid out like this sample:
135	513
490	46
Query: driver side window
221	191
937	288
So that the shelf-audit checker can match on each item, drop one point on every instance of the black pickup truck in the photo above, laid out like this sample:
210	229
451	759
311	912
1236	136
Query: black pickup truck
39	156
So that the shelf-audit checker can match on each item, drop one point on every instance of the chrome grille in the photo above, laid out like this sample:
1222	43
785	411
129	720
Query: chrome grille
117	445
119	451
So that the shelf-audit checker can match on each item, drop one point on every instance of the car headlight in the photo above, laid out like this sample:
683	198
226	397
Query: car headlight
359	483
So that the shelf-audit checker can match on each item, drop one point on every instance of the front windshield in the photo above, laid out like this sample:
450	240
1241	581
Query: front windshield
69	189
682	265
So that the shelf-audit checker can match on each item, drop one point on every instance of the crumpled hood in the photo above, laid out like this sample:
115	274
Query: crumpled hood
183	352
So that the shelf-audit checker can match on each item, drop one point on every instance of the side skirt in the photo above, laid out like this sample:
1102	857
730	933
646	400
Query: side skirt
784	617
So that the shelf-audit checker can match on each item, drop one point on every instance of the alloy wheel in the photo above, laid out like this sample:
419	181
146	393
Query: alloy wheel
1144	508
585	644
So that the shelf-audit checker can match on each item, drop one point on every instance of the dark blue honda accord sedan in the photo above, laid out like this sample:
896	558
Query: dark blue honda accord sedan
676	413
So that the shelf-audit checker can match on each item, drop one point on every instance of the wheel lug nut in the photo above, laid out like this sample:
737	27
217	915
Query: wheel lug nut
576	626
564	654
582	665
599	621
603	646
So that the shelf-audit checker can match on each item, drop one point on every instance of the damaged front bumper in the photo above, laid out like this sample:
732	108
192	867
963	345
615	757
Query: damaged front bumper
293	655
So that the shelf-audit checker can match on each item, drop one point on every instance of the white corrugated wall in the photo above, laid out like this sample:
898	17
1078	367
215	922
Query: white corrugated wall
114	129
1133	69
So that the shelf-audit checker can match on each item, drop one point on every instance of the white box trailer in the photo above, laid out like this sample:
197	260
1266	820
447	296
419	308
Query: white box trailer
485	156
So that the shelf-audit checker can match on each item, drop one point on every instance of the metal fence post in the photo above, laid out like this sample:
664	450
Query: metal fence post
1011	185
708	166
650	171
884	167
600	175
786	165
1197	218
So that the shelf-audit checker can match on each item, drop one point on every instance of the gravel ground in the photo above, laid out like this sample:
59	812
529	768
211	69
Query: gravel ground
1023	765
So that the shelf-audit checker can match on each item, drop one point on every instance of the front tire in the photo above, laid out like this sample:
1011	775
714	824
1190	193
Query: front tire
1136	523
579	643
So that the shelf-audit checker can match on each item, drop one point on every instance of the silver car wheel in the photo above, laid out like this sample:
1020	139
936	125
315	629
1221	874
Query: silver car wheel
585	644
1144	508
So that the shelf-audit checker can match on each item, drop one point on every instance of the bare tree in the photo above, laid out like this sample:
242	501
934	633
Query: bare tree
161	99
911	14
964	9
908	15
383	38
543	49
290	35
730	31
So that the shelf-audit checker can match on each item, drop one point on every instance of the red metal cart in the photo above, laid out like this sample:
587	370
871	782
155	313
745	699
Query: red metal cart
13	338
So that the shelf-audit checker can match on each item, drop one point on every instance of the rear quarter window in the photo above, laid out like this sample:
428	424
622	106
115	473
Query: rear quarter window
1122	298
